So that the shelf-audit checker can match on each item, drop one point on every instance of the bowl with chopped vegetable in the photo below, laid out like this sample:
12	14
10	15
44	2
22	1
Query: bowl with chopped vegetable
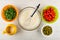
9	13
49	14
46	30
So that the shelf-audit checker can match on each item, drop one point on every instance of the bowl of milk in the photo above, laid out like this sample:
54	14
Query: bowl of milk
26	21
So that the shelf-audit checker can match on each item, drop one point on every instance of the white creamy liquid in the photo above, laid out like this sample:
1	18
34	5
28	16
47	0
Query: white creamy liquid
28	22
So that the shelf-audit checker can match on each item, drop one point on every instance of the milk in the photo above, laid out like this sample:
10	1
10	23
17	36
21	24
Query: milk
28	22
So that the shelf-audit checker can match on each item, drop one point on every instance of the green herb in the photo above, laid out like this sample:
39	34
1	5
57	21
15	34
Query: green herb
10	13
47	30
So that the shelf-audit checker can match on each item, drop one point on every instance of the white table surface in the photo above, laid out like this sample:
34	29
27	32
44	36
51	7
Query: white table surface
30	35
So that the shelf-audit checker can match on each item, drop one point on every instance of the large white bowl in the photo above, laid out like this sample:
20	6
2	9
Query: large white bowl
33	28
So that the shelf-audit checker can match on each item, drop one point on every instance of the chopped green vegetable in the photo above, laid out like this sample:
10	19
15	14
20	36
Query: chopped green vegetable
10	13
47	30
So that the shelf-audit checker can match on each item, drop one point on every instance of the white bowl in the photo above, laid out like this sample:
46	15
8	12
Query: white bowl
44	34
27	28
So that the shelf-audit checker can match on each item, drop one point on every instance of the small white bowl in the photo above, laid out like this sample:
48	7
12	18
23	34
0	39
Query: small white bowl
44	34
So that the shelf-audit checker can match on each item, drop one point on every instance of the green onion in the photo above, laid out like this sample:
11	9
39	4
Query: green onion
10	13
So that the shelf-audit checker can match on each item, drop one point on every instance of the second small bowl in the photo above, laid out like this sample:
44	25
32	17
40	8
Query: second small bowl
45	30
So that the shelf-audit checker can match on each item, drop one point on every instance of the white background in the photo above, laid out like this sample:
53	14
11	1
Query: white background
30	35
